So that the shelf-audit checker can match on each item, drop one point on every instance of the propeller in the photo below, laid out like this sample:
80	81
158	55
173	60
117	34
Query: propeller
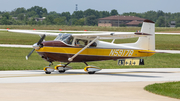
36	46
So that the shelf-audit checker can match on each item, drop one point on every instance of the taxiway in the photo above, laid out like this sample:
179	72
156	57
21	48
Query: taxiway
76	85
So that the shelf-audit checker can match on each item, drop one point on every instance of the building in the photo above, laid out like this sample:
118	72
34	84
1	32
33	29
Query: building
173	24
118	20
40	19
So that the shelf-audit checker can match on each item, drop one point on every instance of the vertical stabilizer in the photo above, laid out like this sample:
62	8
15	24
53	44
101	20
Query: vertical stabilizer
147	42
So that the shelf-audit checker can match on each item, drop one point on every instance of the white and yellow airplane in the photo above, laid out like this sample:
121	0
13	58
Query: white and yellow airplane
87	47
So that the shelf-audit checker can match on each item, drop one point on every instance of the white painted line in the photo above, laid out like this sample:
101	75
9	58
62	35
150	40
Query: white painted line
168	51
20	46
168	33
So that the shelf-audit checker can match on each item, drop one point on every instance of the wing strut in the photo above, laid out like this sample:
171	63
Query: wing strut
71	59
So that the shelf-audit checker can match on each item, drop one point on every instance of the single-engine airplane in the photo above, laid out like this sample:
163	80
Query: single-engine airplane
87	47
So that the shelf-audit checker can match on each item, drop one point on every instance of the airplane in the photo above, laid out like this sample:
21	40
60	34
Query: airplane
88	47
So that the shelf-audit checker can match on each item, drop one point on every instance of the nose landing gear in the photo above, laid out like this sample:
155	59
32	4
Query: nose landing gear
48	69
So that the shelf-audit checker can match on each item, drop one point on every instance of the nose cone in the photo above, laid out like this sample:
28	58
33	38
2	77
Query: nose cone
35	46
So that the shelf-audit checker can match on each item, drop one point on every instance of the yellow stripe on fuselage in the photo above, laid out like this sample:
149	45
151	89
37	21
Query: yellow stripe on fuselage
97	51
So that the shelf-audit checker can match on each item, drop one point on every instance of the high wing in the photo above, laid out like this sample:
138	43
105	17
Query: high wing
33	32
88	34
92	35
111	35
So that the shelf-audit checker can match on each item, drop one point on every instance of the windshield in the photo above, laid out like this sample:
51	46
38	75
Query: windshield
67	38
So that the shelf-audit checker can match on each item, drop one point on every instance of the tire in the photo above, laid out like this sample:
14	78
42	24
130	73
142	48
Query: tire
61	71
48	72
91	72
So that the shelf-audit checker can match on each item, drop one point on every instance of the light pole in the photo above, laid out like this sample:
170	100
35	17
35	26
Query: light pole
118	20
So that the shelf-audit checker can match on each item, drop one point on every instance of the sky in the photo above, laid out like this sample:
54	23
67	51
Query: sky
122	6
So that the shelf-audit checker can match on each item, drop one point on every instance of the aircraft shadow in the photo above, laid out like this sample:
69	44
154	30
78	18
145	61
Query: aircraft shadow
127	74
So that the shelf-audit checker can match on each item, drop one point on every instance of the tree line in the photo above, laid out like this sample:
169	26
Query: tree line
22	16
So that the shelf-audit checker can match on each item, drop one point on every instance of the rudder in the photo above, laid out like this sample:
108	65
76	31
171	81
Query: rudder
147	42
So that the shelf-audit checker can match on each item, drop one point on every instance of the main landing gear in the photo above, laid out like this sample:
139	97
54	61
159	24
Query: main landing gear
61	68
91	69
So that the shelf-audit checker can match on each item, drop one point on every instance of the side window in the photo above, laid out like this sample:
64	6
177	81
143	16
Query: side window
70	40
94	44
80	42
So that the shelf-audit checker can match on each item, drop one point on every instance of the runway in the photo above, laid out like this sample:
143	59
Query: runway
105	75
106	85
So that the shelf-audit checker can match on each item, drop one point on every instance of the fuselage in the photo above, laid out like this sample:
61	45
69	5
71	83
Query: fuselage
60	51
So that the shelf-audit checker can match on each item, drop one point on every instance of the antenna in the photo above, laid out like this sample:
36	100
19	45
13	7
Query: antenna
76	7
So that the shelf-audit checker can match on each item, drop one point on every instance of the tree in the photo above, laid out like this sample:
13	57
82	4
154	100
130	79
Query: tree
91	20
38	10
18	11
60	21
5	20
103	14
32	22
90	12
21	16
114	12
78	14
160	22
67	15
79	22
49	20
54	14
160	13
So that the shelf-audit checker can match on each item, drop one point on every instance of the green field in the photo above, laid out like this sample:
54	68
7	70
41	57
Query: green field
171	89
14	58
166	42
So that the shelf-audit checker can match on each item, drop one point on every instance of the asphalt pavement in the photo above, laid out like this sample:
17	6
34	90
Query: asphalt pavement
77	85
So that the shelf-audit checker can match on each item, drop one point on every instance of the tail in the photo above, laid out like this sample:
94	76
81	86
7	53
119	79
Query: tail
147	42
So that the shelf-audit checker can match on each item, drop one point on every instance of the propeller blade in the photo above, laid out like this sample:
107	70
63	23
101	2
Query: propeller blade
39	42
29	54
42	38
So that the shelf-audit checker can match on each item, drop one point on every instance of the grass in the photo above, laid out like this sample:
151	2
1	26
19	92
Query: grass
14	59
20	38
171	89
167	42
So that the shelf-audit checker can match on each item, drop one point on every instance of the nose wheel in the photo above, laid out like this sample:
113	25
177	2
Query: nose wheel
48	69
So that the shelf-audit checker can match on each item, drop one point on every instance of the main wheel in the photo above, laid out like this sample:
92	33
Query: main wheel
61	71
48	72
91	72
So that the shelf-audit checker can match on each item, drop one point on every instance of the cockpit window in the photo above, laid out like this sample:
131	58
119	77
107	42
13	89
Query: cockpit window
81	42
67	38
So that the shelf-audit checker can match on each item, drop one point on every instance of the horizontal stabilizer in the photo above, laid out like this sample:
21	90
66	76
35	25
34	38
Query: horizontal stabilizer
144	51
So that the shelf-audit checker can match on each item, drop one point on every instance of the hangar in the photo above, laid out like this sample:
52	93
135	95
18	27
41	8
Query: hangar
117	20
